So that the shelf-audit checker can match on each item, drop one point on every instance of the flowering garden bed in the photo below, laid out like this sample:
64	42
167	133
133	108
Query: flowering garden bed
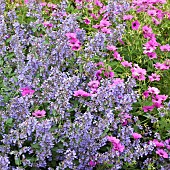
85	85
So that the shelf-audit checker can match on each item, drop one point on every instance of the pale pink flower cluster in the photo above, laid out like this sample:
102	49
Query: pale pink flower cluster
157	99
117	146
26	91
74	43
39	113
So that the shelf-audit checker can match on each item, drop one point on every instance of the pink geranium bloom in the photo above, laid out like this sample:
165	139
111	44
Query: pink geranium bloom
161	66
94	84
151	55
97	26
126	64
117	81
127	17
47	24
111	48
113	139
106	30
158	144
136	135
148	108
146	94
118	147
98	3
71	35
153	90
39	113
94	16
135	25
147	30
154	77
92	163
100	64
155	21
165	47
43	3
151	13
81	93
138	73
162	153
104	23
117	56
87	21
26	91
167	143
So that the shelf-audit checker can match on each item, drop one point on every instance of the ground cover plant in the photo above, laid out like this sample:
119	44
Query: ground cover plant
85	85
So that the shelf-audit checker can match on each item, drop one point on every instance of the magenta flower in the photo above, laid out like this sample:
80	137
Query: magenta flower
126	64
158	144
71	35
154	77
146	94
138	73
111	48
153	90
113	139
94	84
127	17
106	30
118	147
81	93
47	24
26	91
148	108
39	113
87	21
165	47
92	163
162	153
104	23
117	56
135	25
136	135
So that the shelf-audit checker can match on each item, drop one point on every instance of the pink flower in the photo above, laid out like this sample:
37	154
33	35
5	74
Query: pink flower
106	30
165	47
127	17
98	3
136	135
151	55
138	73
111	48
87	21
161	66
81	93
158	144
71	35
155	21
146	94
47	24
39	113
154	77
94	84
151	13
135	25
117	56
26	91
118	147
43	3
126	64
104	23
147	30
148	108
113	139
117	81
153	90
92	163
162	153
